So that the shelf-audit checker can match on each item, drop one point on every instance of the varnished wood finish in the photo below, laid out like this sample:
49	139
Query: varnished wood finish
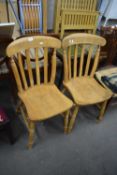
44	101
85	43
87	91
32	42
83	38
80	82
40	97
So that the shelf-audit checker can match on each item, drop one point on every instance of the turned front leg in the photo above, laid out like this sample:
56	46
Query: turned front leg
31	134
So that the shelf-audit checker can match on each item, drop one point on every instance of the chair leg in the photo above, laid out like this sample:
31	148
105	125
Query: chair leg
61	77
31	134
102	110
62	33
72	121
66	121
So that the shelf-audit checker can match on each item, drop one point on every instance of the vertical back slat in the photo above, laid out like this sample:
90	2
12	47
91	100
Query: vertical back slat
88	5
94	5
65	65
88	60
45	65
69	61
29	67
53	69
96	60
91	3
82	61
21	67
75	60
37	66
16	75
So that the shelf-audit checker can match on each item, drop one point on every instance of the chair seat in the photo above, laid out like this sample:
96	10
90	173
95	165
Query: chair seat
44	101
86	90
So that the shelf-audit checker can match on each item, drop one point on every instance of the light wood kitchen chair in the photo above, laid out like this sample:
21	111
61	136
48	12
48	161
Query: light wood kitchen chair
79	79
40	97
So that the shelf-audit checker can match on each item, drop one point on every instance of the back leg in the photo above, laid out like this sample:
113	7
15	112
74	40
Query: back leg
73	118
102	110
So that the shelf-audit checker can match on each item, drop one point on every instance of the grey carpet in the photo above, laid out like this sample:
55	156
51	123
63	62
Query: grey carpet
91	148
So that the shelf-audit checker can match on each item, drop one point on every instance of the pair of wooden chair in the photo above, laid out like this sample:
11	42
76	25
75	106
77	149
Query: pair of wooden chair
75	15
40	97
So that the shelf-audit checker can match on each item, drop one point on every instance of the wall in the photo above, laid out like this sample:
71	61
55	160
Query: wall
7	15
51	4
3	11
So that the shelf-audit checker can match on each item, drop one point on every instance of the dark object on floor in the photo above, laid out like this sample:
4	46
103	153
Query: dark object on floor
5	124
110	81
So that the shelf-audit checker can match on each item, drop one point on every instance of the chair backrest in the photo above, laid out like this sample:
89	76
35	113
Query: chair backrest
85	5
26	74
31	15
79	52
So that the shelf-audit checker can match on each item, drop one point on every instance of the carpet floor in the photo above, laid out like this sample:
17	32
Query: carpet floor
91	148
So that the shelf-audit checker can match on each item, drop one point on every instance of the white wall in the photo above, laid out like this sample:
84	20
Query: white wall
50	20
111	12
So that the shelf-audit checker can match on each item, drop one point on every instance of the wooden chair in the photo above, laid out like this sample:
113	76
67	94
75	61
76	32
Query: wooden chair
40	97
79	80
75	15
